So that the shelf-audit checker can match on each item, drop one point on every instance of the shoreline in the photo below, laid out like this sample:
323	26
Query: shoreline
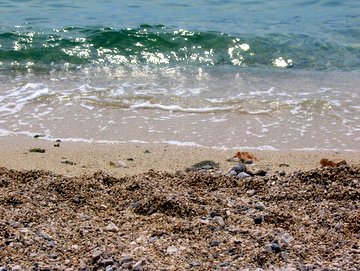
128	159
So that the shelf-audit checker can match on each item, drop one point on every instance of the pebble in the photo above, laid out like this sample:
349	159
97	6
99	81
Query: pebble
16	268
14	224
119	164
238	168
126	259
275	247
260	206
137	265
195	264
96	255
107	262
242	175
219	220
111	227
258	220
215	243
171	250
3	268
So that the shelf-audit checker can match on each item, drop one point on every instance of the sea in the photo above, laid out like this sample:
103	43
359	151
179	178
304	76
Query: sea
230	74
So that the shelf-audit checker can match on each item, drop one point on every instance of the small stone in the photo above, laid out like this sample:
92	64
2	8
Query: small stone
107	262
284	256
137	265
39	135
126	259
171	250
282	173
109	268
231	173
96	255
242	175
44	235
39	150
118	164
16	268
260	206
3	268
67	162
111	227
57	145
195	264
126	265
215	243
14	224
146	151
53	256
275	247
58	140
219	220
238	168
258	220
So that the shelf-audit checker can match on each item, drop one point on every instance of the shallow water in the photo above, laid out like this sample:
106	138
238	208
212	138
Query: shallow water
225	74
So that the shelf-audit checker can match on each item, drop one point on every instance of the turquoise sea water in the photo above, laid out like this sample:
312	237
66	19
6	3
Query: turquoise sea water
273	74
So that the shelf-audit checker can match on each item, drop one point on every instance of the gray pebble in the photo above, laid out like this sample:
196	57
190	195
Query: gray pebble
194	264
16	268
3	268
215	243
242	175
107	262
137	265
238	168
96	255
260	206
126	259
219	220
109	268
275	247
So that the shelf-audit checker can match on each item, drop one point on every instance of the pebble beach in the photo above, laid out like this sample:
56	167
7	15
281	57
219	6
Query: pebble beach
171	215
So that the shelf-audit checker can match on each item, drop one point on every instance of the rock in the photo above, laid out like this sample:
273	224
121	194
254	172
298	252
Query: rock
260	206
258	220
215	243
171	250
275	246
137	265
328	163
106	262
96	255
195	264
16	268
146	151
109	268
203	165
53	256
39	150
243	175
3	268
231	173
14	224
219	220
282	173
38	135
119	164
238	168
44	235
67	162
126	259
57	145
245	157
111	227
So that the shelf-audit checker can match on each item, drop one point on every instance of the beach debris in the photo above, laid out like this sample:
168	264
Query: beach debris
39	150
118	164
39	135
203	165
284	165
328	163
244	157
57	145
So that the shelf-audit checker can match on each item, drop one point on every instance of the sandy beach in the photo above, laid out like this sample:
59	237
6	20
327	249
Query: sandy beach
83	206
